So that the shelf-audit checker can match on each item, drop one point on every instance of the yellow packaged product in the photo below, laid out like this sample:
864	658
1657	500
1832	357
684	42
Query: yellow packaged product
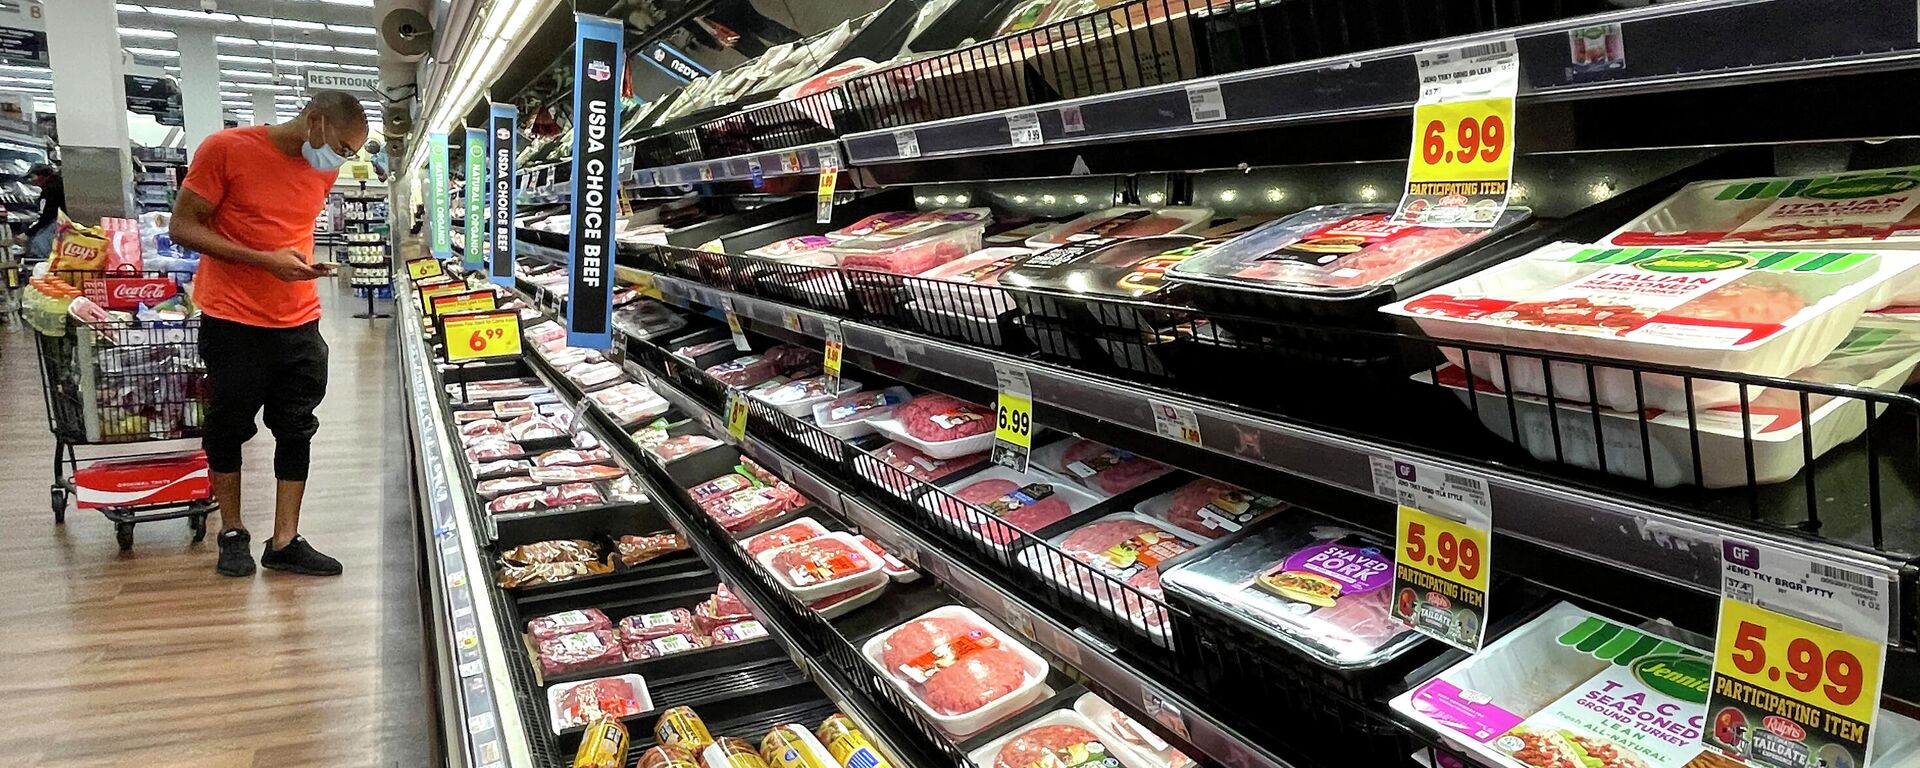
791	746
664	756
603	746
680	727
848	746
729	752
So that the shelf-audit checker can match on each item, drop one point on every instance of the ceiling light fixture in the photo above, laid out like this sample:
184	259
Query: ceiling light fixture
183	13
293	46
158	52
247	74
231	40
351	29
130	8
244	59
357	51
157	34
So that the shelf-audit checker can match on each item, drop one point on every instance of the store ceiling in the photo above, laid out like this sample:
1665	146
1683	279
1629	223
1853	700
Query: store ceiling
264	45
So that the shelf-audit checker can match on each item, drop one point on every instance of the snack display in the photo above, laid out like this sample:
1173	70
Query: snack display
1101	468
964	673
1320	588
1755	312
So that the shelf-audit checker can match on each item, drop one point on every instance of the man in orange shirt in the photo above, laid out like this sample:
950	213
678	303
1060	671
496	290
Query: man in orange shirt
248	205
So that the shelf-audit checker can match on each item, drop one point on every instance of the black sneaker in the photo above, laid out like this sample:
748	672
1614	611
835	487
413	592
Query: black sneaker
236	559
299	557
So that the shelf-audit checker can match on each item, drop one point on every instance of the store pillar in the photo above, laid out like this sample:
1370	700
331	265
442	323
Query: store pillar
199	85
265	110
94	146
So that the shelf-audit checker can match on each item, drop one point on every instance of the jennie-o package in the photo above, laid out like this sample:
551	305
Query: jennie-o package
1854	208
1757	312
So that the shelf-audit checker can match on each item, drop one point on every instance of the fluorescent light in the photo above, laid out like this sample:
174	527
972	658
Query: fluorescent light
157	34
360	51
161	52
297	46
282	23
355	67
14	70
244	59
522	12
247	74
25	80
183	13
234	94
231	40
260	86
293	77
129	8
361	3
351	29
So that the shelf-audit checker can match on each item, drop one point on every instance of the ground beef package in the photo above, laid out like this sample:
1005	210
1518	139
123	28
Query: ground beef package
580	651
567	623
943	418
647	626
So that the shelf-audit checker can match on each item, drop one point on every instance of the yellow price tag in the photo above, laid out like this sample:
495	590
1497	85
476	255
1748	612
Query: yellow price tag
737	410
1461	141
429	292
1786	677
823	203
733	326
421	269
1014	422
1461	163
830	359
481	335
457	303
1440	576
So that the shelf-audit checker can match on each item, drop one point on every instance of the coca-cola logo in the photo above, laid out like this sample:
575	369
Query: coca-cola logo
128	293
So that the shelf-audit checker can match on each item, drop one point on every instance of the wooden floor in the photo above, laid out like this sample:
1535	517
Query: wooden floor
151	659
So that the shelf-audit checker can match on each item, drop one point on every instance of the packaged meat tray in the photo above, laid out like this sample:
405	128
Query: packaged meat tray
1028	502
1341	251
675	448
1103	469
792	248
1113	267
896	570
648	320
574	705
1123	222
886	464
962	672
835	606
940	426
741	510
1137	745
846	417
870	224
1017	236
647	626
798	397
569	457
634	550
961	297
1871	209
721	487
540	574
582	474
1314	586
698	354
1062	737
487	470
744	371
567	623
739	632
1127	548
1877	354
1209	508
825	565
665	645
579	651
721	609
1573	688
1755	312
800	529
500	486
910	248
555	551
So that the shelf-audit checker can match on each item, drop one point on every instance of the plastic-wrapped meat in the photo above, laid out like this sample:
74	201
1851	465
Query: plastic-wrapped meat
720	487
741	510
894	568
911	462
696	351
783	250
873	223
555	551
634	550
675	448
875	404
468	417
788	359
1211	508
911	259
572	494
517	502
648	626
744	372
1364	620
974	681
752	468
818	561
595	699
500	468
595	374
585	441
482	427
791	533
534	427
583	474
1109	469
1745	301
566	458
922	636
1053	745
942	418
488	489
1359	251
1030	507
567	623
665	645
549	573
720	610
513	409
738	632
1131	552
580	651
491	449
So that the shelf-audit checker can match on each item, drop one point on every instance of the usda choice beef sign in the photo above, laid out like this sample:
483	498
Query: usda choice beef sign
596	121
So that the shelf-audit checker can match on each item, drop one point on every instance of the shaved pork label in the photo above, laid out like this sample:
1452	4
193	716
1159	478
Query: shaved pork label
920	668
1322	574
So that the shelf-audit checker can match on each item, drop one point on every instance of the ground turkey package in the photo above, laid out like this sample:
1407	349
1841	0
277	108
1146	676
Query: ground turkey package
943	418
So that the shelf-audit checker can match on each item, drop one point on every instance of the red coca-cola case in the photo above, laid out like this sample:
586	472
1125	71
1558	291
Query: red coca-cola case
128	293
141	481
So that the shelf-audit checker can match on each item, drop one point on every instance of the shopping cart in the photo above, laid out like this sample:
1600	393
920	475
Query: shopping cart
114	382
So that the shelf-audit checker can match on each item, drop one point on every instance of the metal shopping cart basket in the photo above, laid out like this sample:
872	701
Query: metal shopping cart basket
121	383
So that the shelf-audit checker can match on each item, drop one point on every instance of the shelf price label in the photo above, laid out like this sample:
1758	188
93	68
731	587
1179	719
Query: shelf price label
823	200
1175	422
1023	129
737	410
1461	164
481	335
733	325
830	359
1797	659
1443	549
421	269
906	144
1013	419
457	303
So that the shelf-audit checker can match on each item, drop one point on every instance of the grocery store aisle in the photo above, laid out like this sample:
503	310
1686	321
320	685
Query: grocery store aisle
153	660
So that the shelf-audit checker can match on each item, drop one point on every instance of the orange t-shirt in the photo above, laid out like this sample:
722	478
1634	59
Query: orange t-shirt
265	200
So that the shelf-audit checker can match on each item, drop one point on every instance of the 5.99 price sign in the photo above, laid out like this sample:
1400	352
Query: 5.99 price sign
1440	570
481	335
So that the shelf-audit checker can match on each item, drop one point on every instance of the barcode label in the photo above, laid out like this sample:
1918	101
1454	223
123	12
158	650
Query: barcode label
1843	576
1023	129
906	144
1495	48
1205	103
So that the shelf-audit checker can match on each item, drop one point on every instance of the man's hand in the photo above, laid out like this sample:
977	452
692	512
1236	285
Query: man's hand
289	265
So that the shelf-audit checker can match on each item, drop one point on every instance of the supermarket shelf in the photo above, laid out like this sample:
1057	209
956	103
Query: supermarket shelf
1092	657
1669	47
1670	545
799	161
485	722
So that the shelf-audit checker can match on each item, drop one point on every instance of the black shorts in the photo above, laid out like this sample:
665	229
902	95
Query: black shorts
280	370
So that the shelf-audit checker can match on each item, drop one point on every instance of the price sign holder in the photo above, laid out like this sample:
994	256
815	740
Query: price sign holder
1798	658
1443	550
790	320
421	269
830	360
457	303
1461	165
1013	419
473	337
737	410
733	326
1023	130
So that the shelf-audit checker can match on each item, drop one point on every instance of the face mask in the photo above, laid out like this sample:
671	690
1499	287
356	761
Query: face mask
323	158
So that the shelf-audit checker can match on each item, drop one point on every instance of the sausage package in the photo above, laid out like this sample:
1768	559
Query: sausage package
647	626
566	623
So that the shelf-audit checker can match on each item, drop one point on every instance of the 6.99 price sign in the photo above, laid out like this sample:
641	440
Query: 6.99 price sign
1013	419
1440	577
1461	165
481	335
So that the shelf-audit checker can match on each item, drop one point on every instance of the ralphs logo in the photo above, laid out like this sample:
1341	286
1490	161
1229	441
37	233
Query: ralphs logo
1864	186
1784	728
1683	677
1694	261
598	71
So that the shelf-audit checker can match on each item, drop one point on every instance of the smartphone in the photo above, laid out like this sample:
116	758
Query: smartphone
326	268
